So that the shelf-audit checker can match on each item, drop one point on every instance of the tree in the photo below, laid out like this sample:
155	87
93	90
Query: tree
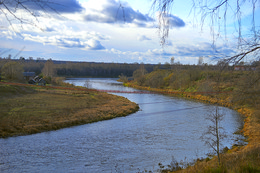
12	70
247	88
215	133
48	69
217	13
142	69
123	78
172	62
139	74
200	61
167	65
87	84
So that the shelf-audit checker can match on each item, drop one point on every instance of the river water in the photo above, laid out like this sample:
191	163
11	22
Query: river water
165	127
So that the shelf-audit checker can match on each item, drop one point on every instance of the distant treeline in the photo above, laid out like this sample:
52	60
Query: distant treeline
80	69
94	69
87	69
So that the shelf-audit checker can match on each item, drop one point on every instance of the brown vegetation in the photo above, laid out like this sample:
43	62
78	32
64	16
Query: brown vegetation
26	110
238	90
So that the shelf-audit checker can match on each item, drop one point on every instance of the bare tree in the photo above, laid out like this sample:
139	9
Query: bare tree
25	12
172	62
200	61
217	13
30	11
48	69
215	132
87	84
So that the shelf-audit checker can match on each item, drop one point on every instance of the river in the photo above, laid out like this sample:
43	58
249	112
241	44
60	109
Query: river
165	127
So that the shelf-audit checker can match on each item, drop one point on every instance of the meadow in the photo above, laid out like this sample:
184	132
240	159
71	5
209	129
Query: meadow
26	109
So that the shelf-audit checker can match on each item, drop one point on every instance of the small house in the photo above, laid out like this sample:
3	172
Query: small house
28	75
37	81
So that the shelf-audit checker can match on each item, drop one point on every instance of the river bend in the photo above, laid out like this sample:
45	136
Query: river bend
164	127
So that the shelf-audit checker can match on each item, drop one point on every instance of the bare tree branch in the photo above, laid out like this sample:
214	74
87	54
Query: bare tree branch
123	10
10	10
163	6
241	56
217	13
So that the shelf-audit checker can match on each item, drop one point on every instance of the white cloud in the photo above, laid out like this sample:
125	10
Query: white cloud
8	34
83	40
112	11
97	32
93	45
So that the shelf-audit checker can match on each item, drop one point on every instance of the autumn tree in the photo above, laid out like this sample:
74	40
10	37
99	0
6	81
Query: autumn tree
48	69
155	79
12	71
139	74
215	132
123	78
247	88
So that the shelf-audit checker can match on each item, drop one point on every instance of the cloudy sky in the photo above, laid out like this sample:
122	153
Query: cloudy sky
124	31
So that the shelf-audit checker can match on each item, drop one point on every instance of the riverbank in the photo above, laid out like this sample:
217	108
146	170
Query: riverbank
238	158
27	109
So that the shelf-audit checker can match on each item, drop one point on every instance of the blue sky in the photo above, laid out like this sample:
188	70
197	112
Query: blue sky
100	31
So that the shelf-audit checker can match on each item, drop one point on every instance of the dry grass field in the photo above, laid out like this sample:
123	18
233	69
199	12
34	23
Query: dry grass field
28	109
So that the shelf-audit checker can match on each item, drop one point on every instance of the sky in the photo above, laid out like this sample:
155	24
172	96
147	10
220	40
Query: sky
124	31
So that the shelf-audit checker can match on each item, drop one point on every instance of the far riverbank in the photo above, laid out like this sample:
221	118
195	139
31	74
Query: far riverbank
237	158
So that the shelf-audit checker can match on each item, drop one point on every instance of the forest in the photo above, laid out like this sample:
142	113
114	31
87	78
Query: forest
74	69
242	84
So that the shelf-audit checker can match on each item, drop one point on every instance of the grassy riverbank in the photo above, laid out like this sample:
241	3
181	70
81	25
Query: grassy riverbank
236	90
28	109
238	158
